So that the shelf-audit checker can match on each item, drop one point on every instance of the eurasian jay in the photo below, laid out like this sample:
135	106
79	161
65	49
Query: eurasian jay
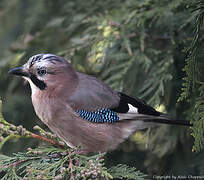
82	110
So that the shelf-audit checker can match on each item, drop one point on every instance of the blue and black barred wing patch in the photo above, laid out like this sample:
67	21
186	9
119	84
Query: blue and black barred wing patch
100	116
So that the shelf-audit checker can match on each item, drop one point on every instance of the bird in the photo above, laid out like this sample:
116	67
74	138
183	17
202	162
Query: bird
82	110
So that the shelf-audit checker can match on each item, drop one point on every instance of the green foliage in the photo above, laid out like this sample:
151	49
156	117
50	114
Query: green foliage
193	86
52	163
39	164
138	47
123	171
198	121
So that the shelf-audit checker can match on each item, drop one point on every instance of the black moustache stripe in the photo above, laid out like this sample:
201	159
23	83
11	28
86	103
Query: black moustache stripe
40	84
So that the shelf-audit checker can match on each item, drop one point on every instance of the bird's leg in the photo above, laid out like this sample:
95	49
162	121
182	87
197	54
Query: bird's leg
81	151
69	152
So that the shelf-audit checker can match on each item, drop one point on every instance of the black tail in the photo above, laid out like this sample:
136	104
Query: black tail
165	119
170	121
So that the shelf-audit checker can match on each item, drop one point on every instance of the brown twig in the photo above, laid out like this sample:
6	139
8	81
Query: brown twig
14	164
47	140
71	168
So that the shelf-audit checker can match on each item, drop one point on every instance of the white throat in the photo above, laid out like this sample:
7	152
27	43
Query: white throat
32	86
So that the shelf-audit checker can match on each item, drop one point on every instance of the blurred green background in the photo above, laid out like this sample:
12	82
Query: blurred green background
135	46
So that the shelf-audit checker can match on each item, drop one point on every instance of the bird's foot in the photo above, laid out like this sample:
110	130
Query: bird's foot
58	155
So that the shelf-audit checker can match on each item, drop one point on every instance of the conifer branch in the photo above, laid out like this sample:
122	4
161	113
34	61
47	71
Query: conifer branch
9	131
192	89
52	162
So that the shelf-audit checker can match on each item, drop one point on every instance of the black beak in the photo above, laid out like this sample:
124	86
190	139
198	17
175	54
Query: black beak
19	71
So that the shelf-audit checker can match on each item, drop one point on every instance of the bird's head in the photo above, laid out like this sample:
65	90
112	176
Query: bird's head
45	71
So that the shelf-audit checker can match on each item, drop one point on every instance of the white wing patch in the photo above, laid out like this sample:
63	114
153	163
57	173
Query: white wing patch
132	109
131	114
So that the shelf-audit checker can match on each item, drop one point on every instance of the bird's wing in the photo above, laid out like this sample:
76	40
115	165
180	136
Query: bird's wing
93	100
92	94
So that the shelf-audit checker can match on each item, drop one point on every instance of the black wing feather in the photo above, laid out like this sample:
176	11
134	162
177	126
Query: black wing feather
145	109
142	107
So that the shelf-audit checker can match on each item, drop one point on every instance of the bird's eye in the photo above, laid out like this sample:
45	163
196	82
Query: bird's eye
41	71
